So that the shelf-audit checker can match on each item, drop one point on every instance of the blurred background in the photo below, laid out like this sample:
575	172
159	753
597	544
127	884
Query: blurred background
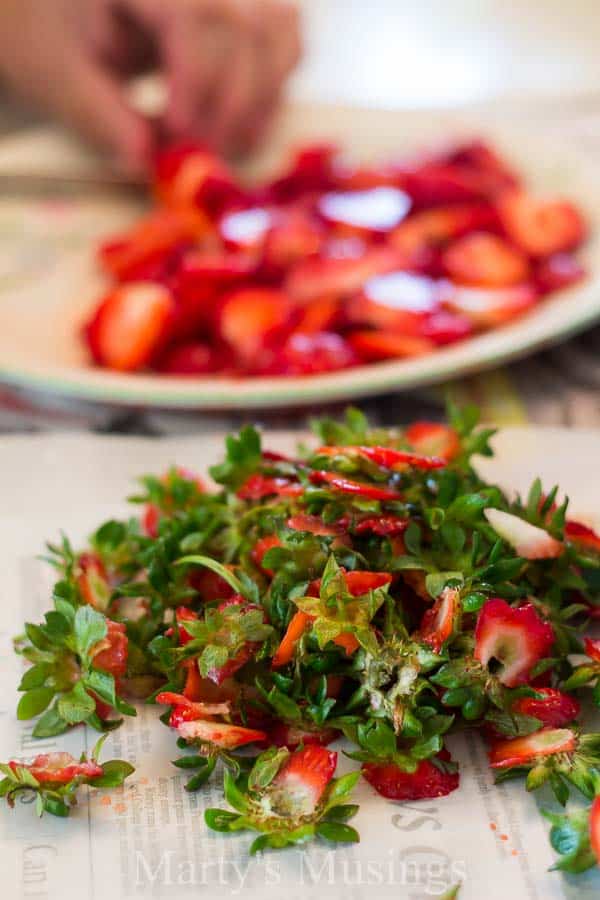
534	62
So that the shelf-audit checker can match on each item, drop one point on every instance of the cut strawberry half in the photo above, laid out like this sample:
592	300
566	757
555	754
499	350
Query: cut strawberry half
399	300
595	828
110	654
348	486
301	782
129	325
554	710
515	637
490	307
379	345
191	359
251	318
485	260
523	751
257	487
58	768
541	228
526	539
372	211
427	782
582	535
220	735
294	238
439	622
338	277
433	439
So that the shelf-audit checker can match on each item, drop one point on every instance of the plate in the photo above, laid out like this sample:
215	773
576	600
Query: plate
113	849
49	283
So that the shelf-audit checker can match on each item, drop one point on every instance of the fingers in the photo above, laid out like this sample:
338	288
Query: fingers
225	63
90	100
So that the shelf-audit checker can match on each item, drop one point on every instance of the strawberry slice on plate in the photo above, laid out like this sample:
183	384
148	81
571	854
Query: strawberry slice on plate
432	778
375	345
246	229
541	227
490	307
399	300
373	211
523	751
311	354
558	271
301	782
516	638
192	359
526	539
485	260
338	276
554	709
129	325
251	318
434	228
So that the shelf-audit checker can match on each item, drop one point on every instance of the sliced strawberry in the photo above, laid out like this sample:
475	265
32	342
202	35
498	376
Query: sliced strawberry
314	525
427	782
361	582
478	155
190	176
257	487
311	354
289	240
386	457
595	828
431	229
246	229
433	439
490	307
58	768
527	540
380	345
400	301
185	710
541	228
148	244
191	359
445	328
221	735
439	622
92	581
296	628
301	782
373	211
348	486
182	615
338	277
554	710
592	648
582	535
312	169
250	318
150	519
292	736
523	751
515	637
322	315
439	183
382	525
558	271
129	325
110	654
261	548
485	260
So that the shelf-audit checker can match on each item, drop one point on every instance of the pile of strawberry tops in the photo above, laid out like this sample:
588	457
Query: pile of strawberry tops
328	265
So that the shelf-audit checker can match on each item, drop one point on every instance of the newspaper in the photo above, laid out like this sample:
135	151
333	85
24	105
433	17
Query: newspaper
148	839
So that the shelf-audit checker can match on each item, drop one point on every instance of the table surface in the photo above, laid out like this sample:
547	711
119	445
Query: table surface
536	64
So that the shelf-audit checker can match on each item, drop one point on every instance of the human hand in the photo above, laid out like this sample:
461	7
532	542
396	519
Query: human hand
224	63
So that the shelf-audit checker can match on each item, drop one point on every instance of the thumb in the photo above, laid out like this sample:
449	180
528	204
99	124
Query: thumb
94	102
